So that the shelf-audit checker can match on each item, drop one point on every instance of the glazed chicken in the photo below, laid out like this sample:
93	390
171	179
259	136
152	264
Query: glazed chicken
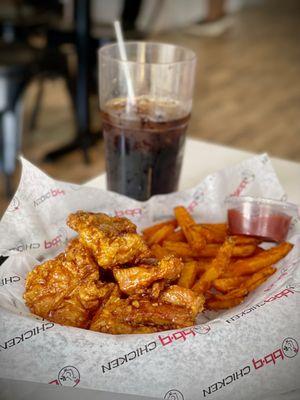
106	321
106	281
66	289
134	279
129	315
112	240
184	297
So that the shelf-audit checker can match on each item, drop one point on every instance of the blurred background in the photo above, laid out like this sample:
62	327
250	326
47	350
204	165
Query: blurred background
247	92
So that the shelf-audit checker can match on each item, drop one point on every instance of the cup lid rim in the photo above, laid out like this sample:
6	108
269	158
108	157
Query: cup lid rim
191	59
263	201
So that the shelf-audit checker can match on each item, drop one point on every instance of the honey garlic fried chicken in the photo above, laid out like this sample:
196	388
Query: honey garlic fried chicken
106	321
66	289
132	315
112	240
184	297
134	279
149	313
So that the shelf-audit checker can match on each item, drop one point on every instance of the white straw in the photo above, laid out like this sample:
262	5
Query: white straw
123	56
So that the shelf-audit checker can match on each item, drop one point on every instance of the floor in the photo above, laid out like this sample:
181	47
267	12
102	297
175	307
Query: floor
247	94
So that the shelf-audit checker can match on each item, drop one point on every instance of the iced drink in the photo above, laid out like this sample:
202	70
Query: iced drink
145	103
144	148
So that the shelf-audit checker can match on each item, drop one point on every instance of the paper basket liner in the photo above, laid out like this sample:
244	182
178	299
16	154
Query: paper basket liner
246	352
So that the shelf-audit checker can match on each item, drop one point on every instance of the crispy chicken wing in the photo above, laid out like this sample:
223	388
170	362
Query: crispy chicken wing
112	240
134	279
145	312
105	321
66	289
181	296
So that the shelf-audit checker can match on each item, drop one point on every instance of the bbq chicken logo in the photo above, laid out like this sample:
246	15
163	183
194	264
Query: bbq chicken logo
290	347
248	176
14	205
67	376
202	329
173	394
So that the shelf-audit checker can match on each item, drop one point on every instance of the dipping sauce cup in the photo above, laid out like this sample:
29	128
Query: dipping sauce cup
266	219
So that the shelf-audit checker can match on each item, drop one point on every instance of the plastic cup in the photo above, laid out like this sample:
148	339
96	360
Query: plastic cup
144	138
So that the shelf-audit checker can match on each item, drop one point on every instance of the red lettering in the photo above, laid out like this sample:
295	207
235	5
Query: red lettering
240	188
192	206
189	332
52	243
257	364
283	293
269	358
56	192
165	340
131	212
278	354
55	382
179	335
47	245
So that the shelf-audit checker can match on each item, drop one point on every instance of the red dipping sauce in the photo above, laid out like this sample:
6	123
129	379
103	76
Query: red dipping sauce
264	218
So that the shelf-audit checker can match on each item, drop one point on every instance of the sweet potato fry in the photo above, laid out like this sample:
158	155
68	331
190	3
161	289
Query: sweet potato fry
258	278
154	228
195	239
257	283
240	240
203	265
211	250
219	227
260	261
188	274
176	236
258	250
219	230
245	250
248	285
179	248
225	285
159	251
218	266
233	294
211	235
160	234
213	304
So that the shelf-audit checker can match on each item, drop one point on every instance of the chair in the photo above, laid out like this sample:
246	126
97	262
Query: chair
18	63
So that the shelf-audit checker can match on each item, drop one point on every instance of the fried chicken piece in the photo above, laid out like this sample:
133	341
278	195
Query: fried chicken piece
66	289
135	279
160	314
181	296
156	289
112	240
78	307
129	315
104	320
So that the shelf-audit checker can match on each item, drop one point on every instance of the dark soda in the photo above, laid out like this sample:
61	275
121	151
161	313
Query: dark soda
144	146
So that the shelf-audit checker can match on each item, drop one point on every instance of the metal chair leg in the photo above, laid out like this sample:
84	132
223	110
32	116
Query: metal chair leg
37	105
8	186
